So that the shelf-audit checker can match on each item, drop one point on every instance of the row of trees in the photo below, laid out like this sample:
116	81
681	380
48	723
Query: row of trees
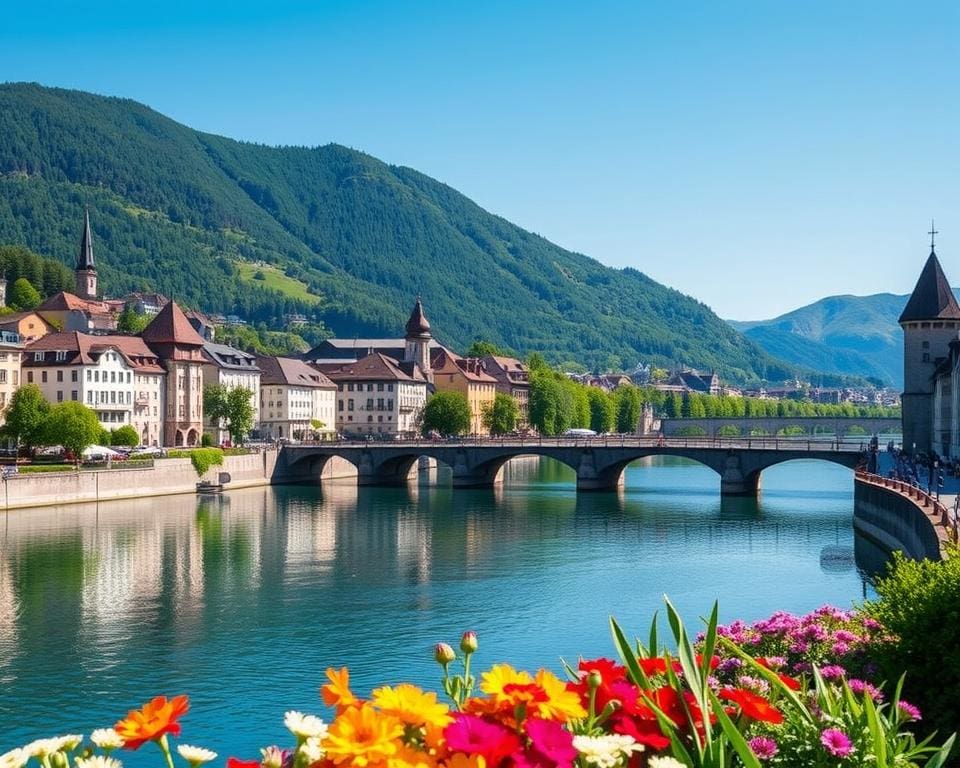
448	413
31	422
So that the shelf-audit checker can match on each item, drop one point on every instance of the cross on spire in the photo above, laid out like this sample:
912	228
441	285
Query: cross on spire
933	233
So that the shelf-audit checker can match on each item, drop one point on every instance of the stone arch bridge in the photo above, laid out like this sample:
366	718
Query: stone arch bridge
598	462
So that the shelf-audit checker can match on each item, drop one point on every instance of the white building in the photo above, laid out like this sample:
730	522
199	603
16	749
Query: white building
379	395
118	377
295	399
11	349
230	368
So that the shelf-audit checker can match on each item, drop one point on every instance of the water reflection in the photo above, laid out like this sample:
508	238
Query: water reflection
244	599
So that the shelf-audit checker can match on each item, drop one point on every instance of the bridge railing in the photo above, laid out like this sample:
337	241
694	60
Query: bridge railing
608	441
941	513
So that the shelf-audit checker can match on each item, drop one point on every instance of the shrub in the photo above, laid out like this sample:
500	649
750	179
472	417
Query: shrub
918	601
206	440
125	435
201	458
689	431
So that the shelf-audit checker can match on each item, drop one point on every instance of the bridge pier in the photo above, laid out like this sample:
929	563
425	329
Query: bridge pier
589	478
735	480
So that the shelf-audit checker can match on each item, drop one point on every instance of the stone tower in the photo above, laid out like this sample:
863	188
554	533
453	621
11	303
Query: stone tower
180	350
86	270
418	337
930	321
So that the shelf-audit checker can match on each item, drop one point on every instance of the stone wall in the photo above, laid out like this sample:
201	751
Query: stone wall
895	521
166	477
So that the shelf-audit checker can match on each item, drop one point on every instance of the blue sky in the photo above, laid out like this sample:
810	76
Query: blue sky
754	155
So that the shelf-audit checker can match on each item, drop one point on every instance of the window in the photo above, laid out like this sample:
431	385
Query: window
389	387
43	376
370	387
61	355
59	375
379	418
59	395
96	376
350	404
340	405
90	397
30	377
369	403
370	417
379	403
380	386
390	404
73	375
350	387
73	394
3	377
113	377
38	357
926	357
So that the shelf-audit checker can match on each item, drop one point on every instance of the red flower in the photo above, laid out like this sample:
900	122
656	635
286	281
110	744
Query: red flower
753	705
644	731
158	717
475	736
653	666
791	683
608	670
236	762
714	661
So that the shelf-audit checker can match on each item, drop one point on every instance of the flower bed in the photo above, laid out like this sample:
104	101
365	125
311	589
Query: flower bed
771	693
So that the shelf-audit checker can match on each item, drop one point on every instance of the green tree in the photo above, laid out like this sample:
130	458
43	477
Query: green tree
629	408
125	435
72	425
500	416
23	295
603	411
230	407
550	404
480	348
130	321
447	413
26	416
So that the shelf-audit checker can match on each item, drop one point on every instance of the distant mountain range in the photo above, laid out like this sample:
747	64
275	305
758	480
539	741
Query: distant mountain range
853	335
232	227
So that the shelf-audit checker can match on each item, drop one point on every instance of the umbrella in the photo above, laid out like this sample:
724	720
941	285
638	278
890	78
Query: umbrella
99	450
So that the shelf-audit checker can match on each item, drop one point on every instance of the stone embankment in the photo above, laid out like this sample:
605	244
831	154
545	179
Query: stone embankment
897	516
165	477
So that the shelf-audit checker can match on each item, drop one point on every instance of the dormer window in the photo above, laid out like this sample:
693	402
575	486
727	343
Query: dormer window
38	357
61	355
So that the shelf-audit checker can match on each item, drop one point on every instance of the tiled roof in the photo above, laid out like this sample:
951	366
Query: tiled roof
228	357
470	367
69	302
932	298
84	349
171	326
291	372
375	367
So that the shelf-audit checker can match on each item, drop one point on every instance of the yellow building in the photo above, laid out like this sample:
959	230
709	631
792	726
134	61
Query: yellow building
452	373
29	326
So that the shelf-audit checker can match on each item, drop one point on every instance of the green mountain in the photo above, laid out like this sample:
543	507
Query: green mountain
852	335
233	227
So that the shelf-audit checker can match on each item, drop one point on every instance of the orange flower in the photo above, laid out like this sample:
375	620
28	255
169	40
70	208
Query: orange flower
361	736
337	692
155	720
411	705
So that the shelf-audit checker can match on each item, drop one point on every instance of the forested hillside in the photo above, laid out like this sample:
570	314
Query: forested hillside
233	227
839	334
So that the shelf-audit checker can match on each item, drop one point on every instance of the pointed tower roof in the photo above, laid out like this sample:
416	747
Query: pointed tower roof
171	326
85	259
417	325
933	298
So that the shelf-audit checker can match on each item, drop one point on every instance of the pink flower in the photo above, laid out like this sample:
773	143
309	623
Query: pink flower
551	742
832	672
912	712
836	742
763	747
475	736
862	686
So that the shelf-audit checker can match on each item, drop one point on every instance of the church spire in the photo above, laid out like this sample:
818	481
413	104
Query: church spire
85	260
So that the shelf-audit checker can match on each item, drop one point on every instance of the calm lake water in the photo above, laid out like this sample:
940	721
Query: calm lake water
243	601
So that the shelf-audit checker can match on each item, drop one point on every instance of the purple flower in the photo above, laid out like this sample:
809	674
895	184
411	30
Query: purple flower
763	747
729	665
871	624
912	712
836	742
841	649
862	686
843	636
832	672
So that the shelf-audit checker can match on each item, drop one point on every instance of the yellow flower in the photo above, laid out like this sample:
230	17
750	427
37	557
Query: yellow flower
498	677
361	736
561	704
411	705
337	692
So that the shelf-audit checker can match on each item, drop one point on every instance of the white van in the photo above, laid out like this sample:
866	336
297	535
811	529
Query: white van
579	433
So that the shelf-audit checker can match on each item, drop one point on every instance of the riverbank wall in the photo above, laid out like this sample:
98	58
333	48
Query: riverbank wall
896	516
166	477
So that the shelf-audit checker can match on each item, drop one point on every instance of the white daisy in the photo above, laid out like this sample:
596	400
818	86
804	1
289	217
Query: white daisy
97	761
305	726
41	748
665	762
15	758
606	751
196	755
272	757
311	750
106	738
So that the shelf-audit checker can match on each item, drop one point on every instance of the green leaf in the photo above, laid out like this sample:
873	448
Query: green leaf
733	734
940	758
625	649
